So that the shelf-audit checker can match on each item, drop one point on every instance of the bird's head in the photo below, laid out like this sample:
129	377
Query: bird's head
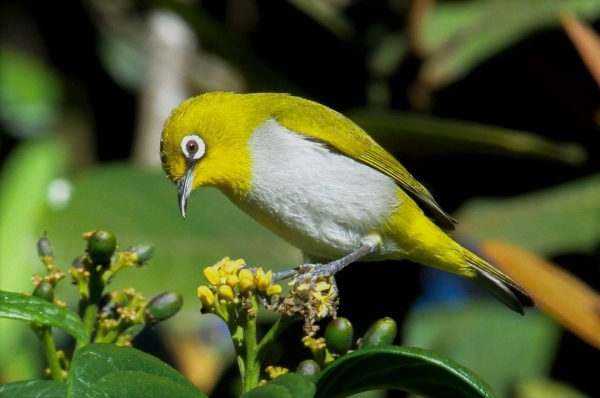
205	143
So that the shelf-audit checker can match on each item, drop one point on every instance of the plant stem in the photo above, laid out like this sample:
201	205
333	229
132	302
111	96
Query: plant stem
237	337
45	336
90	303
252	374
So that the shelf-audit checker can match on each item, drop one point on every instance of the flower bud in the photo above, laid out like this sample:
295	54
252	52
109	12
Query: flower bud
246	284
338	336
382	332
162	307
78	263
226	293
44	248
101	246
212	276
234	266
274	289
245	273
264	281
232	280
206	296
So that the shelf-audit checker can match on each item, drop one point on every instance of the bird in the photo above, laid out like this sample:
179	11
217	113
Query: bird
319	181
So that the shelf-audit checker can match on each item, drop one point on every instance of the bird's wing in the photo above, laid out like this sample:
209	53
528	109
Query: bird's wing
315	121
378	158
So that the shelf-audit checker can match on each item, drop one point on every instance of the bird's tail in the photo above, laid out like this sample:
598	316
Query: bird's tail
499	284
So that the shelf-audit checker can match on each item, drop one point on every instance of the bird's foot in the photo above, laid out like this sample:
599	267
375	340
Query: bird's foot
310	273
306	272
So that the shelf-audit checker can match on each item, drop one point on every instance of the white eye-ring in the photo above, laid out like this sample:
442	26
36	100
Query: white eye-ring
193	147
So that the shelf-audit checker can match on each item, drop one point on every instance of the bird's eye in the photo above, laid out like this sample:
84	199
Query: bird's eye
193	147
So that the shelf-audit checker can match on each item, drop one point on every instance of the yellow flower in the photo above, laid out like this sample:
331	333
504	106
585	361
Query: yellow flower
245	273
206	296
246	284
212	276
264	280
276	371
226	293
274	289
232	280
234	266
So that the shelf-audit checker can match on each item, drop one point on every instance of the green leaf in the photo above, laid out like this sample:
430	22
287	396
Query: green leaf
268	391
291	385
34	389
33	309
133	383
550	221
415	370
106	370
403	132
26	176
327	14
497	344
458	35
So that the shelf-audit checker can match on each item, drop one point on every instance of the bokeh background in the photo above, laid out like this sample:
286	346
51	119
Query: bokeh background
493	104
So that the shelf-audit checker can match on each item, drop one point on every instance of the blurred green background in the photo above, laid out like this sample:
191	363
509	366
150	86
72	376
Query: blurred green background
492	104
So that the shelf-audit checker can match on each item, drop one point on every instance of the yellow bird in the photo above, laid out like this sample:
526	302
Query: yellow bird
317	180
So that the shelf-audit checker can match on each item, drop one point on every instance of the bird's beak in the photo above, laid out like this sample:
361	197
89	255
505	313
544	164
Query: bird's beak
184	188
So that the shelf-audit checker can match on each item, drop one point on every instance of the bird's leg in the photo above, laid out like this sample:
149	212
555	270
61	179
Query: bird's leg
314	271
288	273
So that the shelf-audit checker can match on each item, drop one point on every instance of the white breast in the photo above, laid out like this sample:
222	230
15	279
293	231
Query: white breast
320	201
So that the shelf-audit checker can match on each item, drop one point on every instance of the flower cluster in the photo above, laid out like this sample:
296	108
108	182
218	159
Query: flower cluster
119	311
318	347
313	300
232	283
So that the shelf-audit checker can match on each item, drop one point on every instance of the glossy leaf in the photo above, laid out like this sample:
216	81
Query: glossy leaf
415	370
133	383
106	370
33	309
497	344
33	389
291	385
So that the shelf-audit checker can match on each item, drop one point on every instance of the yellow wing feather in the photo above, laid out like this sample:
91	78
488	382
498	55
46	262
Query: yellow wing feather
317	121
380	159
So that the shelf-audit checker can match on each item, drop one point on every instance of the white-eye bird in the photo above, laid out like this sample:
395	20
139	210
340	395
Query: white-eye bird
317	180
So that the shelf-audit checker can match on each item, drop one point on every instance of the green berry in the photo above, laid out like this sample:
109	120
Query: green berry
101	246
44	247
308	368
144	252
382	332
162	307
338	336
44	291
